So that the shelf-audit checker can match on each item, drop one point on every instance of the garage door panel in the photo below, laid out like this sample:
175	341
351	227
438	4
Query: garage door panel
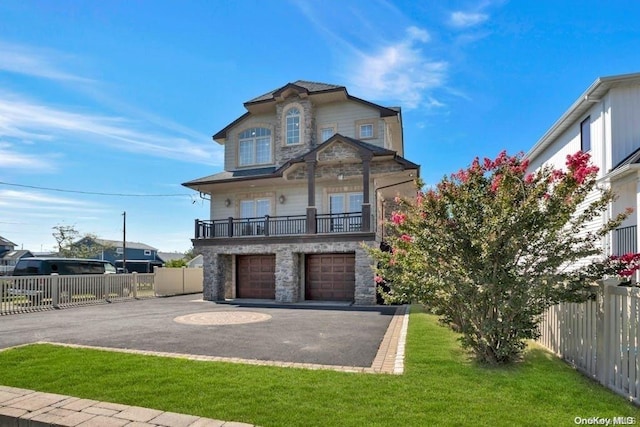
256	276
330	277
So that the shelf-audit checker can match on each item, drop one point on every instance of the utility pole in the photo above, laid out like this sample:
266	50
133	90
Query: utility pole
124	241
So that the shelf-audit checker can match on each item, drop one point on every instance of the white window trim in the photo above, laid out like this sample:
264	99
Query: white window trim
332	126
347	207
254	140
373	122
147	252
301	135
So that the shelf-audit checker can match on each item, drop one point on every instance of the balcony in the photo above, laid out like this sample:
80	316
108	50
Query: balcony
293	225
624	240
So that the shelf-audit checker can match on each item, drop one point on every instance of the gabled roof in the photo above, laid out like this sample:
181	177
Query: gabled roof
593	94
299	85
272	172
118	244
305	88
234	175
5	242
15	255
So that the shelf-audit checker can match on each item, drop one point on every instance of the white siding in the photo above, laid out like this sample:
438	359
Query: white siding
345	114
625	121
626	198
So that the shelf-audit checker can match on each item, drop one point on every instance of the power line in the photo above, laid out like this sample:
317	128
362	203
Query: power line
94	193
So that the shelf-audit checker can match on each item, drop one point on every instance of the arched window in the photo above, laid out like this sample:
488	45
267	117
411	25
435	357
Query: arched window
254	147
293	126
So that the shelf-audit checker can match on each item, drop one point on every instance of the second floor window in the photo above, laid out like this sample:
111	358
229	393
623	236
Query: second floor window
366	131
293	126
585	135
254	147
326	133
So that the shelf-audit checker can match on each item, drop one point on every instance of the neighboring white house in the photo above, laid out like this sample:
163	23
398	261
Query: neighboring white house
604	121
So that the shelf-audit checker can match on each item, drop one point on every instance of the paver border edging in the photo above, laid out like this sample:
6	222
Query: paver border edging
388	360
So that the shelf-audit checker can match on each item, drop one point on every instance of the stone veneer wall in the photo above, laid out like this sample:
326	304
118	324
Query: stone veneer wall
289	287
284	152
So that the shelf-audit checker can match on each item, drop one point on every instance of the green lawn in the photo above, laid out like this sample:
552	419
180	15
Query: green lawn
440	387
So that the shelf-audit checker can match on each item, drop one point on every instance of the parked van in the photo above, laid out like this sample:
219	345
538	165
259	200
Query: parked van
36	290
61	266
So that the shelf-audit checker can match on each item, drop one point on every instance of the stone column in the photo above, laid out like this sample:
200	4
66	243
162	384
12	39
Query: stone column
365	292
213	275
287	276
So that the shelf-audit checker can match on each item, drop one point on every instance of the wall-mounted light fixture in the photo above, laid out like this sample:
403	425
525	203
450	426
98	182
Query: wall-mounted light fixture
227	202
282	199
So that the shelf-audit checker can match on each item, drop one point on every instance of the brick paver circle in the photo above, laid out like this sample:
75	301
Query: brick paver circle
222	318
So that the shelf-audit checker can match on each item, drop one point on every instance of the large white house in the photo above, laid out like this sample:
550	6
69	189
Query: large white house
604	121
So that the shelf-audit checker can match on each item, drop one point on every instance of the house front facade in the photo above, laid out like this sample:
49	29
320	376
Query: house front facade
308	173
605	122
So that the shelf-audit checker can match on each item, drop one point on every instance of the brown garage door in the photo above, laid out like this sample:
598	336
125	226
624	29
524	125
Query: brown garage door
256	276
330	277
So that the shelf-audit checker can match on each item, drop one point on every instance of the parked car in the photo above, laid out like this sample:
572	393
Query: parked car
62	266
35	290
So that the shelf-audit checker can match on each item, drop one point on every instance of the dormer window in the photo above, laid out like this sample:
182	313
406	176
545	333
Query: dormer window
254	147
293	126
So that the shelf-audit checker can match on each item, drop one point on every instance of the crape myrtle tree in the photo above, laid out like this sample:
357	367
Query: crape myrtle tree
491	247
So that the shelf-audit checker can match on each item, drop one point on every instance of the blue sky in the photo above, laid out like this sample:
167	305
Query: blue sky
122	97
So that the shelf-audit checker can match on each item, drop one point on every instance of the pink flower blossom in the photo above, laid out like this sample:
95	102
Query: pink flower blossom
398	218
495	183
378	279
406	238
529	178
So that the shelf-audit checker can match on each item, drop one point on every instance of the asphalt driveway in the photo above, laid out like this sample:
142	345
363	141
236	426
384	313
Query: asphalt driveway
328	335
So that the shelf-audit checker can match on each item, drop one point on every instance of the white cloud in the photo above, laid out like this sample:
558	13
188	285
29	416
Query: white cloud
21	118
399	72
11	159
15	58
460	19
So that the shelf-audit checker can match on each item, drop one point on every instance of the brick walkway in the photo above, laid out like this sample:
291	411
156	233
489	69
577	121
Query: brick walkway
34	409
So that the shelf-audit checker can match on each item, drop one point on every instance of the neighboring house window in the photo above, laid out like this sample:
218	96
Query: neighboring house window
585	135
147	252
254	147
119	251
326	133
366	131
293	126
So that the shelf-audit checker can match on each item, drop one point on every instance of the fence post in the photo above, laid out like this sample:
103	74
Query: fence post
55	290
134	284
603	326
183	278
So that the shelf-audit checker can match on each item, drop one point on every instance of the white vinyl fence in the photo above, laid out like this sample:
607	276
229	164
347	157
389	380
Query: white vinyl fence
600	338
178	281
22	294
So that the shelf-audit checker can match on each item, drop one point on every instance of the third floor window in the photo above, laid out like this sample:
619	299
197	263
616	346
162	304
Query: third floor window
254	147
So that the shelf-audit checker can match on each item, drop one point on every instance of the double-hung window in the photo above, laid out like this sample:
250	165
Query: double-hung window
366	131
326	133
254	147
293	126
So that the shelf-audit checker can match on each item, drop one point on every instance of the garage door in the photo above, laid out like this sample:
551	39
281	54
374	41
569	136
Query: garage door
256	276
330	277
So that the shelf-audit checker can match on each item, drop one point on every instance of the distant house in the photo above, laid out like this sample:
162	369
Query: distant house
196	262
6	245
9	256
112	250
171	256
604	122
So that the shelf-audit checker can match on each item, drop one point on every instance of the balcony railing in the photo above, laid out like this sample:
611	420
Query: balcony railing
625	240
278	225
